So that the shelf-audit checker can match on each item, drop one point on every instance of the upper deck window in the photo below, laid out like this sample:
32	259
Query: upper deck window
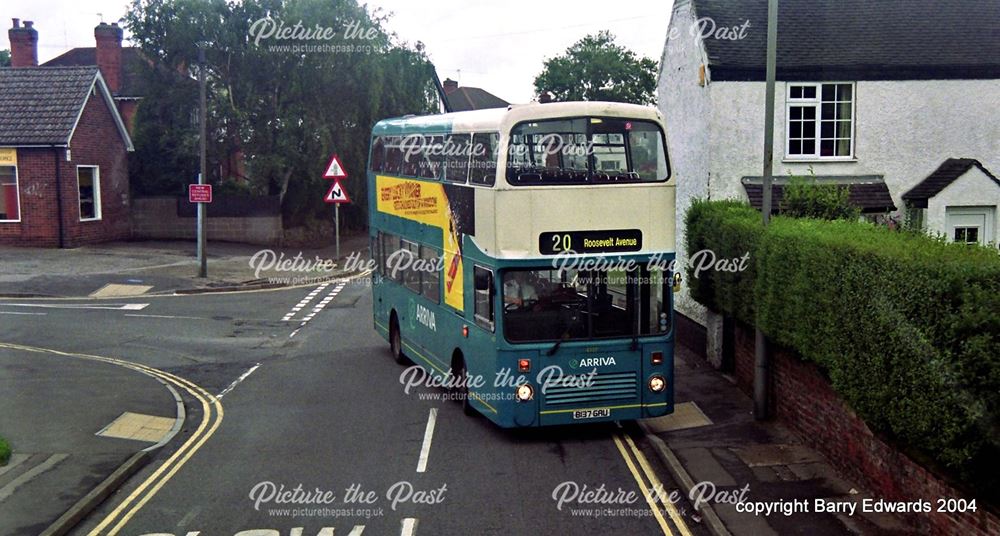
586	150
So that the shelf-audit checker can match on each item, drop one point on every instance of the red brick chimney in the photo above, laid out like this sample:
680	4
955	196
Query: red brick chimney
109	53
23	44
449	86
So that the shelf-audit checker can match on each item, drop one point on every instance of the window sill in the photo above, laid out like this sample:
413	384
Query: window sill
89	220
817	160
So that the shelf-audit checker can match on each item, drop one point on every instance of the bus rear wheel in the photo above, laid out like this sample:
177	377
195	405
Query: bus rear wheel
396	341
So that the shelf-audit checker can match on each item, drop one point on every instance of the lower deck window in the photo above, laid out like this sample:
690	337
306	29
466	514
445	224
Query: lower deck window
567	304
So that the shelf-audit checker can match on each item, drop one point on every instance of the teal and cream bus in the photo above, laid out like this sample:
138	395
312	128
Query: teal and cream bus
524	258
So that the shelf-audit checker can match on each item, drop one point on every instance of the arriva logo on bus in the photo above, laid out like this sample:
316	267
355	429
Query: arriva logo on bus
593	362
425	316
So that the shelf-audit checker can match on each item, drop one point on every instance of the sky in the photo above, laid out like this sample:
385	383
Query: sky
499	46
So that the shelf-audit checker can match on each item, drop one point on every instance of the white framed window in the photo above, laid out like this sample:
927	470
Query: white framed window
88	187
819	121
970	225
10	203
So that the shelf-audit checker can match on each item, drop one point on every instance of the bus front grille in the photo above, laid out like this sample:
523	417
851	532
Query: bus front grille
610	386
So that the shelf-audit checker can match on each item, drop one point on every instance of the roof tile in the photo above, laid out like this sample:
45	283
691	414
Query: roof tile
39	105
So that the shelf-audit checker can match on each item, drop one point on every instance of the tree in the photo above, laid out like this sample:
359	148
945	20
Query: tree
287	109
4	58
595	68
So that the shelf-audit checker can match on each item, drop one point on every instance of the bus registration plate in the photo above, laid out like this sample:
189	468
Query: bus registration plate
591	413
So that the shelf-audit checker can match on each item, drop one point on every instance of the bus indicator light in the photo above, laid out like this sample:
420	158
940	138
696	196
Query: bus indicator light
465	331
524	365
524	392
656	358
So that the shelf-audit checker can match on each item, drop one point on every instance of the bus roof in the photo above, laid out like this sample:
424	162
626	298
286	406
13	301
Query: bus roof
502	119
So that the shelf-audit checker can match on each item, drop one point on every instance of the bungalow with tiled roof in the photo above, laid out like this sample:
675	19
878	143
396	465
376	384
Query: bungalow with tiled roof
63	153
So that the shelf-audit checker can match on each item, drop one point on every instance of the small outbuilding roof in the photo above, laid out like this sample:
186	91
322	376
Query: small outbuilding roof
867	192
950	170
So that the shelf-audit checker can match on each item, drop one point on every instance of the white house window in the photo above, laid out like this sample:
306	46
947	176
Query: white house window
820	121
970	225
88	181
9	208
967	235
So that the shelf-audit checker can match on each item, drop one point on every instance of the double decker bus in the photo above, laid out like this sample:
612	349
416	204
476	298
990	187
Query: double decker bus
524	258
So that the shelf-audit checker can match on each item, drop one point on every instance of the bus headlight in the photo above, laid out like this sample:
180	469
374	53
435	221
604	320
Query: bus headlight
525	392
657	384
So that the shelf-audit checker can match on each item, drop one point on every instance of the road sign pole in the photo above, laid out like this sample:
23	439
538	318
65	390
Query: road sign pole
202	122
202	258
336	228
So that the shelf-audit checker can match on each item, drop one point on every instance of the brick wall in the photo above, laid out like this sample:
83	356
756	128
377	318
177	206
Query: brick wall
97	141
157	218
37	195
802	397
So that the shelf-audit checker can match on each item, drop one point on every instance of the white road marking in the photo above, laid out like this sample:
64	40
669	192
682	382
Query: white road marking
425	449
319	306
105	306
305	301
357	530
166	316
237	381
21	313
409	527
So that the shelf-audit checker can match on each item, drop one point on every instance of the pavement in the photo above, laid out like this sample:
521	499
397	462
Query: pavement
714	438
163	266
58	415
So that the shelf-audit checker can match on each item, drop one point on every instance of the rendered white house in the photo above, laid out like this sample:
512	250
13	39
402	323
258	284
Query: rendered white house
898	100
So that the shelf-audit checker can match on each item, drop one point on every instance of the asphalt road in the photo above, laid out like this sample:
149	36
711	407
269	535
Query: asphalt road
272	402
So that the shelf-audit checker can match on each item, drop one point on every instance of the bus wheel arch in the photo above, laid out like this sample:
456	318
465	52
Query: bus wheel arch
460	372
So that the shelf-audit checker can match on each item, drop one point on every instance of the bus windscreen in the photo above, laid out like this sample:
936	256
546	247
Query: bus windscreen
554	304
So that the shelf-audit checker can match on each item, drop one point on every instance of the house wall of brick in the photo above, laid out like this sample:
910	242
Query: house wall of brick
95	142
802	397
37	195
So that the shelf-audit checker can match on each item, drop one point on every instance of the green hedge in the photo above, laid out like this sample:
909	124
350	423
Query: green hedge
4	452
906	327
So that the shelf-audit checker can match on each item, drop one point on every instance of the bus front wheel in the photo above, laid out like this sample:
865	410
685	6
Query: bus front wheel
396	341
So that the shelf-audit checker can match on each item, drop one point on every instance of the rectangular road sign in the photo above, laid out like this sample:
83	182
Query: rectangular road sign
199	193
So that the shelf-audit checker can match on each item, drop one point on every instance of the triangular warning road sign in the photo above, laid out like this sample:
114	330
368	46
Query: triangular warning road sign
337	193
334	170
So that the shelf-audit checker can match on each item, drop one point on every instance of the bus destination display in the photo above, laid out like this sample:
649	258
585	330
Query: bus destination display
608	241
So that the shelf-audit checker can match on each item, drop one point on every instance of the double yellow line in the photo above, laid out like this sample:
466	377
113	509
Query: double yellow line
212	414
652	489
